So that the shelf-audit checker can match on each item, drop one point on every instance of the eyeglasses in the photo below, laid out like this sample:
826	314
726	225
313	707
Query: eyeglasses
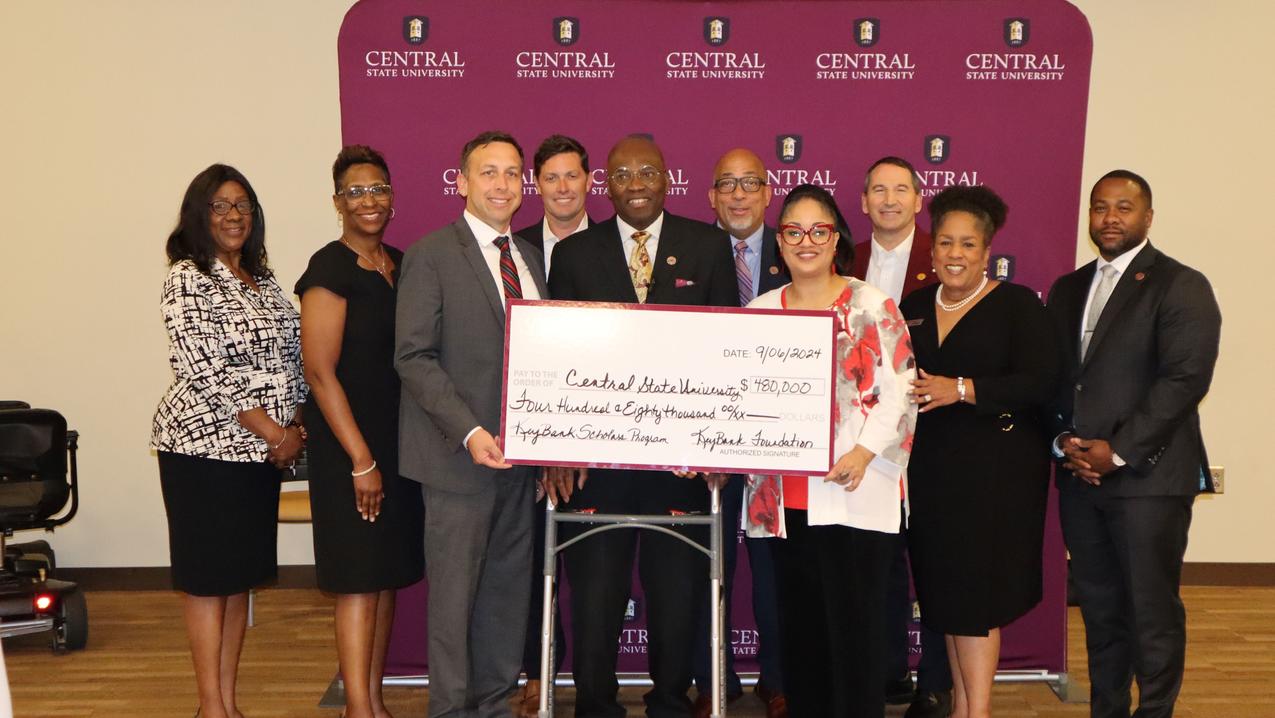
648	175
793	234
727	185
221	206
379	192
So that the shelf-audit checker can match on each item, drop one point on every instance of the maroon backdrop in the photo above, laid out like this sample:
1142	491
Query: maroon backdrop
989	92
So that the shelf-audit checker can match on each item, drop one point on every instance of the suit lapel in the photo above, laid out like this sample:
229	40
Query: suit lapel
535	263
1074	307
613	262
1129	285
772	277
474	255
666	258
919	271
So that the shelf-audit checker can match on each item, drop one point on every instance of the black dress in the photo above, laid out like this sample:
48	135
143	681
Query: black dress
352	555
979	474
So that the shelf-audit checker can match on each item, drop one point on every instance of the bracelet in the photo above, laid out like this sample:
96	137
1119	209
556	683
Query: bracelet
366	471
281	440
960	388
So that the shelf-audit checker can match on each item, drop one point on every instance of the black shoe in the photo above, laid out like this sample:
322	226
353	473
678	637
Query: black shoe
930	705
899	691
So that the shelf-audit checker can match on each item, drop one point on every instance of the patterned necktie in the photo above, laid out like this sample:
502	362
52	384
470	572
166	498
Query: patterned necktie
1100	297
742	274
640	265
508	270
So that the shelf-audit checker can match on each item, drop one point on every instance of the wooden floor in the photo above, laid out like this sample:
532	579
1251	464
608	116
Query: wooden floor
137	663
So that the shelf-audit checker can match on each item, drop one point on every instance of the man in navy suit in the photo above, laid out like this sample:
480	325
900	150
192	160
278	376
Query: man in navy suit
561	170
897	261
739	196
1140	336
642	254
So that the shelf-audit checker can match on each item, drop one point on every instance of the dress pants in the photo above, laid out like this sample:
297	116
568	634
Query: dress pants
674	581
477	561
832	586
933	673
1126	564
764	609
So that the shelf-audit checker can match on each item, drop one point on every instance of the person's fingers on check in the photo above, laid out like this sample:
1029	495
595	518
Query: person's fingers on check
686	474
484	449
715	480
582	475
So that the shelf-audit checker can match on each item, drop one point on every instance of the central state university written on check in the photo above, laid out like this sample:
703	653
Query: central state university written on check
668	387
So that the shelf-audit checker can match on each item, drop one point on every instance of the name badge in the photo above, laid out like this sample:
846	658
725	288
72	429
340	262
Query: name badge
915	322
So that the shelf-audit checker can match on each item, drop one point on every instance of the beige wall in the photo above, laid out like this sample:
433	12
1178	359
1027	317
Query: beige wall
112	107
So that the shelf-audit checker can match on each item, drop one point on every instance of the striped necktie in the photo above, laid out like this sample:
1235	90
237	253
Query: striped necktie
742	274
508	270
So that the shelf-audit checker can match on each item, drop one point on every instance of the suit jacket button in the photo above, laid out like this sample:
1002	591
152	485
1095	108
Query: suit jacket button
1079	386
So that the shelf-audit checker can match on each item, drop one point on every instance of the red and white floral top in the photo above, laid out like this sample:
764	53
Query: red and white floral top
875	367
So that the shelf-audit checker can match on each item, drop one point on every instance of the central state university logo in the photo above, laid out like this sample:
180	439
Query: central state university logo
415	29
566	30
1003	267
788	148
937	148
1017	31
716	30
867	30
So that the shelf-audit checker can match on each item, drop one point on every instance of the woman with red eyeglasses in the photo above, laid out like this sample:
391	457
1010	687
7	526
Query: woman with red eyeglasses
836	530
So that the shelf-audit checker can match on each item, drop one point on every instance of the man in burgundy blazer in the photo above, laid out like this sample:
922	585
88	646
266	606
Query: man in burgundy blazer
896	260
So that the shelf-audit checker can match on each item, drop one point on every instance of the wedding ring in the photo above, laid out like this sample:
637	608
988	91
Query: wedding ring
928	398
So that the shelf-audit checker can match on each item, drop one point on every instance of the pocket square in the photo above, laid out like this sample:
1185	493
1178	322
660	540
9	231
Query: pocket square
679	283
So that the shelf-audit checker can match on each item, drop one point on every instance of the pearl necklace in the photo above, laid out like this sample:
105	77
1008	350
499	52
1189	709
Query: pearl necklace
379	267
938	297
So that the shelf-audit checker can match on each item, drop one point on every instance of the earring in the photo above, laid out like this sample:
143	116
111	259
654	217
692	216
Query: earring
339	220
391	213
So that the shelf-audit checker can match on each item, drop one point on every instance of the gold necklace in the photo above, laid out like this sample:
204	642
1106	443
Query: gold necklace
379	267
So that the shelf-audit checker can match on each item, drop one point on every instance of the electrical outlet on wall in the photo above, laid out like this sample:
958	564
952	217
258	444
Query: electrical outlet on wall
1219	479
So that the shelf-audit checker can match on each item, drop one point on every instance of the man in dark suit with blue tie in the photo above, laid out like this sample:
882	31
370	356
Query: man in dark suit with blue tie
642	254
739	197
1140	333
449	352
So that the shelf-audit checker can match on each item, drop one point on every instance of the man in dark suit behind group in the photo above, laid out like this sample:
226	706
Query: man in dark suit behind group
642	254
1140	333
897	261
561	170
449	352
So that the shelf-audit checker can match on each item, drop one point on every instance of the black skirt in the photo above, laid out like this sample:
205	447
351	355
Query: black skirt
223	520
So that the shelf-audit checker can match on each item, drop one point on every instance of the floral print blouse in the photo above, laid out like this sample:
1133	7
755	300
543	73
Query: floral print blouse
875	366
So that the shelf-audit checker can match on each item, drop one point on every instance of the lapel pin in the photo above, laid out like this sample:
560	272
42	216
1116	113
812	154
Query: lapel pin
671	261
1140	276
920	277
774	269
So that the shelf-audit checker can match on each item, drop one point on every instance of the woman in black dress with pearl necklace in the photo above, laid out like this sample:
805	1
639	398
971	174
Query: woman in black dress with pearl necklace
368	530
979	473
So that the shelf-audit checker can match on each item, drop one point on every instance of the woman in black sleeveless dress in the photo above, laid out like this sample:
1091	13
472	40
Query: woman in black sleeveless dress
368	535
979	474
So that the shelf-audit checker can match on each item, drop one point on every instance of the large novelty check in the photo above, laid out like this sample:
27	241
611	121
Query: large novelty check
668	387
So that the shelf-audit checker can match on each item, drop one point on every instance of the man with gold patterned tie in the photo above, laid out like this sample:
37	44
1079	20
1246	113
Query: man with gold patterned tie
641	255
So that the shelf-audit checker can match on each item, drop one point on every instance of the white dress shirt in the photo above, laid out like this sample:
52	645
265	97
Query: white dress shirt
486	237
491	253
888	268
550	239
652	242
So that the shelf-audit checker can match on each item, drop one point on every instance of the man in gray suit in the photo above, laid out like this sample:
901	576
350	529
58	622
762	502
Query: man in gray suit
449	350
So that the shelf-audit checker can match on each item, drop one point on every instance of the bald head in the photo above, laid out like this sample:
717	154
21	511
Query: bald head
636	180
739	211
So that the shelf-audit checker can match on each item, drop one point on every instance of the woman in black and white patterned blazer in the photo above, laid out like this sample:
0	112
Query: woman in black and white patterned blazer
229	421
